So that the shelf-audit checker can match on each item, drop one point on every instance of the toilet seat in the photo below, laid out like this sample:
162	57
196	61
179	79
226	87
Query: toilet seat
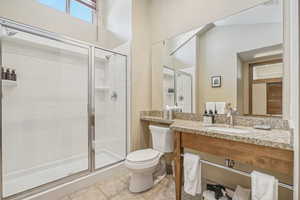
142	159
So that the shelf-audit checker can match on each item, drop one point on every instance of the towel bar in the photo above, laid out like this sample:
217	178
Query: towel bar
287	186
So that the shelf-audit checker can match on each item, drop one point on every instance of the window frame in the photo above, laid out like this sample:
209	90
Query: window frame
88	3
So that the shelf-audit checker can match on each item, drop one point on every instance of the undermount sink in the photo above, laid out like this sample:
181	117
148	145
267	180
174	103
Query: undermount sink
229	130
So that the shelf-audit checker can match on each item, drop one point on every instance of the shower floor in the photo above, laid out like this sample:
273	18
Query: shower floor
60	170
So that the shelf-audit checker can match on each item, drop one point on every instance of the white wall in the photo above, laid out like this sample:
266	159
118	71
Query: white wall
292	33
115	18
216	59
172	17
158	61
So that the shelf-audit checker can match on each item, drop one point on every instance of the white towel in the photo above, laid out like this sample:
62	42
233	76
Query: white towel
192	174
241	193
264	186
210	106
220	107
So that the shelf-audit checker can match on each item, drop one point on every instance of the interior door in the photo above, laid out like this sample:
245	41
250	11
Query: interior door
184	97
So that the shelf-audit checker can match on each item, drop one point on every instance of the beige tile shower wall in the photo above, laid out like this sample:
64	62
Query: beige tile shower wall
45	115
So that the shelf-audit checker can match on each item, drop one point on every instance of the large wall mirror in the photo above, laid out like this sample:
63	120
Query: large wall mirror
237	60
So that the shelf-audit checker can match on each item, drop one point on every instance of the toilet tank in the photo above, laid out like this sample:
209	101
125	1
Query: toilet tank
162	139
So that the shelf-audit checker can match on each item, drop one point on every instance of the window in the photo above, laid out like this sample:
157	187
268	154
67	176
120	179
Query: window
81	9
57	4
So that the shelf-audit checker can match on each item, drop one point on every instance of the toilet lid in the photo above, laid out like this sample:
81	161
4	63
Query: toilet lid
143	155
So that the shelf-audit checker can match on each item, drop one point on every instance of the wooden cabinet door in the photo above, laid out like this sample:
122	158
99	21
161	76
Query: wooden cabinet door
274	98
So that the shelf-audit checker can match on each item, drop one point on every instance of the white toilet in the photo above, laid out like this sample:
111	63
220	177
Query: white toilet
143	163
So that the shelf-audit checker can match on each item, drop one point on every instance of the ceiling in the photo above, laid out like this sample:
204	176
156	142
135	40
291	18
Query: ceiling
270	12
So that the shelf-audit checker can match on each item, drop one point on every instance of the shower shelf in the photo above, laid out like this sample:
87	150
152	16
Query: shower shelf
8	83
101	88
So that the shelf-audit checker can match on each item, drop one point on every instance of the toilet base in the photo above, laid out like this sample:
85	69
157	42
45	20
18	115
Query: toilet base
140	182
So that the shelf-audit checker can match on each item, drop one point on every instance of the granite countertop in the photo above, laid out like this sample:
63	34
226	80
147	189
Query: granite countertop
157	120
271	138
275	138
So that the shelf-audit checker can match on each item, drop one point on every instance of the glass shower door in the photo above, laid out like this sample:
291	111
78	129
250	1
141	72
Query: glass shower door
169	91
44	111
110	108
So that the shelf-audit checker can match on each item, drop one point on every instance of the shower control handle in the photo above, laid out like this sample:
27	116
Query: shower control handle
114	95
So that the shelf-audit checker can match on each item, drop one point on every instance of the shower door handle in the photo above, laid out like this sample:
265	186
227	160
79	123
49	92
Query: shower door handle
114	96
92	120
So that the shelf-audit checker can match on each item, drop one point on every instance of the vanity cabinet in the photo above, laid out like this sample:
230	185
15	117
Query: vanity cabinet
264	157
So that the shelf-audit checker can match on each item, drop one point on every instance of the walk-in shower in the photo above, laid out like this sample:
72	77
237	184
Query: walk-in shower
66	114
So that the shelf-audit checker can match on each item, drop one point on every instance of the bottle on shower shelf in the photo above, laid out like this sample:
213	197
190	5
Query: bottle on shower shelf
7	74
2	73
13	75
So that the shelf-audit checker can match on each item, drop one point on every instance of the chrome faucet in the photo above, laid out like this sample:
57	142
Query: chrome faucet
230	114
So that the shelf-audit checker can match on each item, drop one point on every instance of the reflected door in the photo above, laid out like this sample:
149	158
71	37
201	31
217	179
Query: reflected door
184	91
110	108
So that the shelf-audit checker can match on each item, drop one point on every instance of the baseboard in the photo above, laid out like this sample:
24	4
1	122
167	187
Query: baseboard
56	163
65	189
48	165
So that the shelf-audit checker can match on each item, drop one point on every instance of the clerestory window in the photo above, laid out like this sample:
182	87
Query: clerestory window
81	9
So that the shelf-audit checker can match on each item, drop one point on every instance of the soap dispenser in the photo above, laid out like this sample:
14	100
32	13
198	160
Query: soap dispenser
212	116
207	118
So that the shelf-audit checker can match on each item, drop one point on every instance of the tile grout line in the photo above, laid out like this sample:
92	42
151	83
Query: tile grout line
99	188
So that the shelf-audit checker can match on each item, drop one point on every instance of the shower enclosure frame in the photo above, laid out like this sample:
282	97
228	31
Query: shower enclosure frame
6	23
174	82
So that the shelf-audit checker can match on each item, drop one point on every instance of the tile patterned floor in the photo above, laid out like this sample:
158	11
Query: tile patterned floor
116	188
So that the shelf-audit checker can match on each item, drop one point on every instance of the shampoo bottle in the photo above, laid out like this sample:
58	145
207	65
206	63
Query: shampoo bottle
13	75
2	73
7	74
